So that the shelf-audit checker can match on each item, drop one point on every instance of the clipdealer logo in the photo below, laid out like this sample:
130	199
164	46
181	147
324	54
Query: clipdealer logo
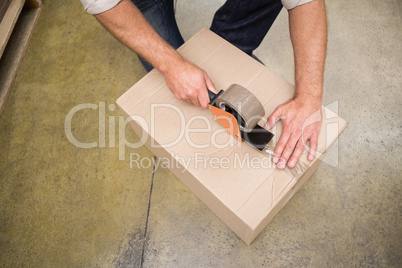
112	126
107	124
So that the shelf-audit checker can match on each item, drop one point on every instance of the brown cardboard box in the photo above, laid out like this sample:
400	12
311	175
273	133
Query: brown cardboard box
237	182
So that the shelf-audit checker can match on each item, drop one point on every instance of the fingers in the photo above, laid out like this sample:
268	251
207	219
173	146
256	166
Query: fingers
195	101
203	99
273	118
194	89
284	148
296	154
287	147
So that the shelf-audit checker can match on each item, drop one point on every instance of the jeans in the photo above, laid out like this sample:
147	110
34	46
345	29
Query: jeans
243	23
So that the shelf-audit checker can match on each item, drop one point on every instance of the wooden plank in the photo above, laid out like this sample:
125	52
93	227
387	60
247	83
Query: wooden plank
33	3
3	8
15	50
9	20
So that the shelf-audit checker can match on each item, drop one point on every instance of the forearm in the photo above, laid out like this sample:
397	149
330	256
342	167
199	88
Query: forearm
308	31
184	79
301	116
128	25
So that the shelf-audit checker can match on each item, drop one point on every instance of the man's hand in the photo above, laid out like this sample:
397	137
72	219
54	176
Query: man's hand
188	82
184	79
301	122
301	116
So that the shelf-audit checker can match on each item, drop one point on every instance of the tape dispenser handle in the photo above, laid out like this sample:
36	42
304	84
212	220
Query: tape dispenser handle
213	97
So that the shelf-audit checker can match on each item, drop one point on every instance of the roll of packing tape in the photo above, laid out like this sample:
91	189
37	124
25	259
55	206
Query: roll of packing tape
244	103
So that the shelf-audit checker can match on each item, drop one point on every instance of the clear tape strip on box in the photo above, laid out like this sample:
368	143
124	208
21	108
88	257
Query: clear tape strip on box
299	169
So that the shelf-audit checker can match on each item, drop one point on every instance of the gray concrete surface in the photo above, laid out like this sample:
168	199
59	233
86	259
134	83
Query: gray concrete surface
64	206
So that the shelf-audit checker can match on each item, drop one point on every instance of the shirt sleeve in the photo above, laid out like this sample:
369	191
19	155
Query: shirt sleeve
98	6
290	4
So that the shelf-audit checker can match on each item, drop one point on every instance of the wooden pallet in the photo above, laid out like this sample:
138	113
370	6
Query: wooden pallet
15	32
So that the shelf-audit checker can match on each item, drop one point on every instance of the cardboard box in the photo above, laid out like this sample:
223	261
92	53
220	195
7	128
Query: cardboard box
237	182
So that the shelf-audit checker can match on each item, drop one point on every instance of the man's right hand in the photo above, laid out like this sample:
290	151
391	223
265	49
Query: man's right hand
188	82
184	79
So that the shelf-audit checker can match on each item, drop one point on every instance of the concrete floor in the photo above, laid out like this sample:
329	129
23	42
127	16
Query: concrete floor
64	206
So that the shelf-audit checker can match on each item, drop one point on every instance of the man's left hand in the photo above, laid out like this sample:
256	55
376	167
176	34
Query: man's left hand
301	120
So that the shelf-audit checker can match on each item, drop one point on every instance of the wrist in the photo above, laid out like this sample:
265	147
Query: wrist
312	99
311	92
308	97
171	61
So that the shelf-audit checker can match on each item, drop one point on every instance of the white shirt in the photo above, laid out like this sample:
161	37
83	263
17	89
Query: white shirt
98	6
290	4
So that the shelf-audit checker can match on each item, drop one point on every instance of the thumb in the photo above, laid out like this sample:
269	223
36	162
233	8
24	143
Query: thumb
273	118
209	84
203	99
